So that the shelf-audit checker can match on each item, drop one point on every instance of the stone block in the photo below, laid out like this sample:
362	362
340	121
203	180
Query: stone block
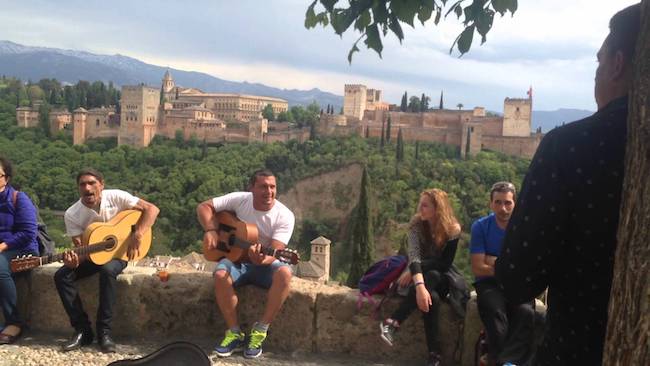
342	328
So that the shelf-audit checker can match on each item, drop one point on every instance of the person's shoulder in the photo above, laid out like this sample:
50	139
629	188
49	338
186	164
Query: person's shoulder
73	210
114	192
483	221
282	209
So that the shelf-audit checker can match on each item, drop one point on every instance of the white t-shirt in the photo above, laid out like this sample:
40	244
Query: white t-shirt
276	223
78	217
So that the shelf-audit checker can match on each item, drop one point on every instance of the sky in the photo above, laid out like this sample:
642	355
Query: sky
550	45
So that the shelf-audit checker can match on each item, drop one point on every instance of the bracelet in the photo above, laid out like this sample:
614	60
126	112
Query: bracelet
206	230
418	283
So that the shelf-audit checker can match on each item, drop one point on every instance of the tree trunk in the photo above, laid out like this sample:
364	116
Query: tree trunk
628	329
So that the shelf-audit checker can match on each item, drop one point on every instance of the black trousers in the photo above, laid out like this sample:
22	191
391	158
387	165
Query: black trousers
65	279
437	287
509	327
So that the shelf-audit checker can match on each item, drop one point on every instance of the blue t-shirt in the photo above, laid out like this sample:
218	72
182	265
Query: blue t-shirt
487	237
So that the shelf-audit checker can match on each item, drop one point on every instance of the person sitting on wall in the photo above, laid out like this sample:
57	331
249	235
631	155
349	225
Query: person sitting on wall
275	224
432	243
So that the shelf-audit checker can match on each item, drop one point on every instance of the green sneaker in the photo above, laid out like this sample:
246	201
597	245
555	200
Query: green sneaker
232	342
255	340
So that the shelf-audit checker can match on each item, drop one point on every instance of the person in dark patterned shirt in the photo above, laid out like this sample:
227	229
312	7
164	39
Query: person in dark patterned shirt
562	234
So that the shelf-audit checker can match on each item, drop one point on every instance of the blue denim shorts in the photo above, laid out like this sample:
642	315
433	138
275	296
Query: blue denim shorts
243	274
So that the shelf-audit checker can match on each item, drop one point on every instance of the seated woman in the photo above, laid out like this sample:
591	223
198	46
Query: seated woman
18	229
432	242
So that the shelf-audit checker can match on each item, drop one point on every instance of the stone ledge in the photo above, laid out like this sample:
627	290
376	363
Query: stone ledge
315	317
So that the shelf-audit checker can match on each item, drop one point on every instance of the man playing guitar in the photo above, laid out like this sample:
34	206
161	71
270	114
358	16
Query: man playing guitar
275	224
96	205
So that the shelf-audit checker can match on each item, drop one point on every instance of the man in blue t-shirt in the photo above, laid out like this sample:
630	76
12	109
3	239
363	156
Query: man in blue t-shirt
509	327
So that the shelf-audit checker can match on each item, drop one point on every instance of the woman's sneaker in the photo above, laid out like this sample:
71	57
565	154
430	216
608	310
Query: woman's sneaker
232	342
388	327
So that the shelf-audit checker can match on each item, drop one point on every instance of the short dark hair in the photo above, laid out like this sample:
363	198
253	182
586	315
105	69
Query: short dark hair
623	31
259	173
503	187
7	167
90	171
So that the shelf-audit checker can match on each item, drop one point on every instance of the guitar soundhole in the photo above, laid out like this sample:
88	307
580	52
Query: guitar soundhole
111	241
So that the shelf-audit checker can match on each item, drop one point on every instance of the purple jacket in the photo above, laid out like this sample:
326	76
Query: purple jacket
18	224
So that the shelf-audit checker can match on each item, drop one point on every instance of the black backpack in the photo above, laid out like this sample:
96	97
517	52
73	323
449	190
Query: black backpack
45	242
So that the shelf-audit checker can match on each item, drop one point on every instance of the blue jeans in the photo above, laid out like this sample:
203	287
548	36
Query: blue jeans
248	273
8	295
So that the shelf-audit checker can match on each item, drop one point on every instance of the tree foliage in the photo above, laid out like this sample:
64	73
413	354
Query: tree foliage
374	20
267	112
361	238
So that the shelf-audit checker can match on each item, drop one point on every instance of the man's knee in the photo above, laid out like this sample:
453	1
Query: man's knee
62	275
111	269
283	276
222	279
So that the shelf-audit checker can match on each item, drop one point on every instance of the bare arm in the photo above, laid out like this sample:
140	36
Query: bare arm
149	214
482	265
205	214
145	222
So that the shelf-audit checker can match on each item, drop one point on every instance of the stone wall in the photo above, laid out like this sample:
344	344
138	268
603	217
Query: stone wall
315	317
518	146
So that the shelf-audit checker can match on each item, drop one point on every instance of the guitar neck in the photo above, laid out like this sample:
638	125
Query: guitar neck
244	244
83	250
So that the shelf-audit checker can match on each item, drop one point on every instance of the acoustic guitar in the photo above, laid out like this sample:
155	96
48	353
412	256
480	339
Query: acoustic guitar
110	240
236	236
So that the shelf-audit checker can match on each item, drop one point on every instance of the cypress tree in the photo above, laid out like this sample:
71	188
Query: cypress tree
383	135
441	103
388	130
417	149
399	151
361	239
404	105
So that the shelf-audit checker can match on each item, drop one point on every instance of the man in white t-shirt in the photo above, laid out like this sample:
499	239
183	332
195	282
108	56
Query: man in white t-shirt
274	223
96	205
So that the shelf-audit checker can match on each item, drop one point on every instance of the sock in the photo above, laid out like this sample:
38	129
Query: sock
236	329
262	327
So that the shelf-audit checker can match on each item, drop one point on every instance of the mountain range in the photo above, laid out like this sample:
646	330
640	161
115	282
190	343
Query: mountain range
70	66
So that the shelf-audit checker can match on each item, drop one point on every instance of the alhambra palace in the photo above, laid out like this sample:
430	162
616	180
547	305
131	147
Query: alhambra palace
148	111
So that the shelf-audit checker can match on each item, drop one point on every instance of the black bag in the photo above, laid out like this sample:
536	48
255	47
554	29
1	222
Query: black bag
45	242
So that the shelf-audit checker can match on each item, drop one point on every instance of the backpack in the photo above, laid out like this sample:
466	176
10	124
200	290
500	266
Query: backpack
378	279
45	242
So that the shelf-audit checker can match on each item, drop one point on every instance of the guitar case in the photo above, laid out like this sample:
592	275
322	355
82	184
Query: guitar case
173	354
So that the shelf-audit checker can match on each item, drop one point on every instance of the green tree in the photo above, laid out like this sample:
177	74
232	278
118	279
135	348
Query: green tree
403	107
285	117
399	150
441	105
424	103
267	112
460	106
382	141
388	127
414	104
376	18
361	239
44	118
